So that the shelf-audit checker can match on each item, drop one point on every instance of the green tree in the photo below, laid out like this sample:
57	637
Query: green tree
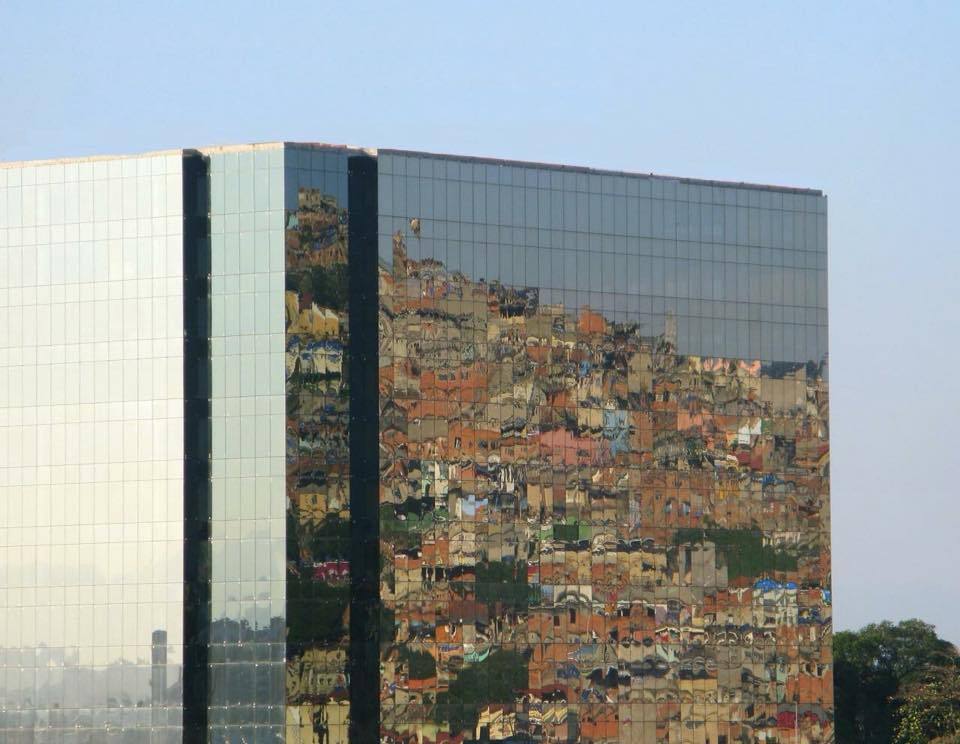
870	667
930	708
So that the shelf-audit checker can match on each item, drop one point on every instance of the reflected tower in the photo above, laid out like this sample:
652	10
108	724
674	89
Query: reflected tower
158	670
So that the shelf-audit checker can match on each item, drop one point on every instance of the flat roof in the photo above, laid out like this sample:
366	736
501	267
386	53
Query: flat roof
418	153
606	172
39	162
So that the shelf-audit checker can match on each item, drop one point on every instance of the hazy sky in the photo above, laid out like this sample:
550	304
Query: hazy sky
859	99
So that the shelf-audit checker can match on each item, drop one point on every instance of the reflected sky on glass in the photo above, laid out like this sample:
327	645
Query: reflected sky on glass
91	450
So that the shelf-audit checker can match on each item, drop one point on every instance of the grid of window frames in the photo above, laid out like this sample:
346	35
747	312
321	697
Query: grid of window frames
91	451
318	458
248	593
604	456
742	271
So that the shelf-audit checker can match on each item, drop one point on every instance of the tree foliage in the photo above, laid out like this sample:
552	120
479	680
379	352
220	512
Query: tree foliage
497	679
929	707
877	670
743	550
420	664
505	583
316	611
326	285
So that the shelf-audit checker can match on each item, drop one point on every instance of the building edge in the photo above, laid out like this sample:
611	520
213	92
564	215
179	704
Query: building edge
364	654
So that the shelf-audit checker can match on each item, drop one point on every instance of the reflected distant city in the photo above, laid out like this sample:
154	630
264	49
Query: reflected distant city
48	693
56	698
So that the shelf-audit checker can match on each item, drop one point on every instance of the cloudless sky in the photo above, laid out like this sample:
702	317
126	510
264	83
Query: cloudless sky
859	99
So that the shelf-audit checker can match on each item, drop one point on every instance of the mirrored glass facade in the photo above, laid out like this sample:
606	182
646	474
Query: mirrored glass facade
740	270
317	444
91	450
604	457
316	305
247	476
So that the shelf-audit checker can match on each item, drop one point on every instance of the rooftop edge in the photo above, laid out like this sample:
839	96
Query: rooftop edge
422	153
607	172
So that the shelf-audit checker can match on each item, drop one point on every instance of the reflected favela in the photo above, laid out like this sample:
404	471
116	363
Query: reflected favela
319	444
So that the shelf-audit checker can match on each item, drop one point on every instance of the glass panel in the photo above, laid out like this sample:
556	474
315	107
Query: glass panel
573	444
91	454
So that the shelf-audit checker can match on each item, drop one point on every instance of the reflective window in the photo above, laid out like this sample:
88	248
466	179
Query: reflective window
248	519
603	456
317	447
91	450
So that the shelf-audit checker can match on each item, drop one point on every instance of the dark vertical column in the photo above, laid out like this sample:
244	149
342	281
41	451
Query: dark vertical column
158	668
364	662
196	445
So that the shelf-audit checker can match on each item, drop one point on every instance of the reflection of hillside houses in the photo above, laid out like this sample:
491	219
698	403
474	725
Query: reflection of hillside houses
313	357
774	604
316	232
636	523
314	502
698	566
318	470
463	547
310	321
496	723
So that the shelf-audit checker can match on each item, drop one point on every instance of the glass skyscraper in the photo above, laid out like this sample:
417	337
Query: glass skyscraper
321	444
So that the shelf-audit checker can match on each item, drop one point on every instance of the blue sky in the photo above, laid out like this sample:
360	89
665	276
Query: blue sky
859	99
